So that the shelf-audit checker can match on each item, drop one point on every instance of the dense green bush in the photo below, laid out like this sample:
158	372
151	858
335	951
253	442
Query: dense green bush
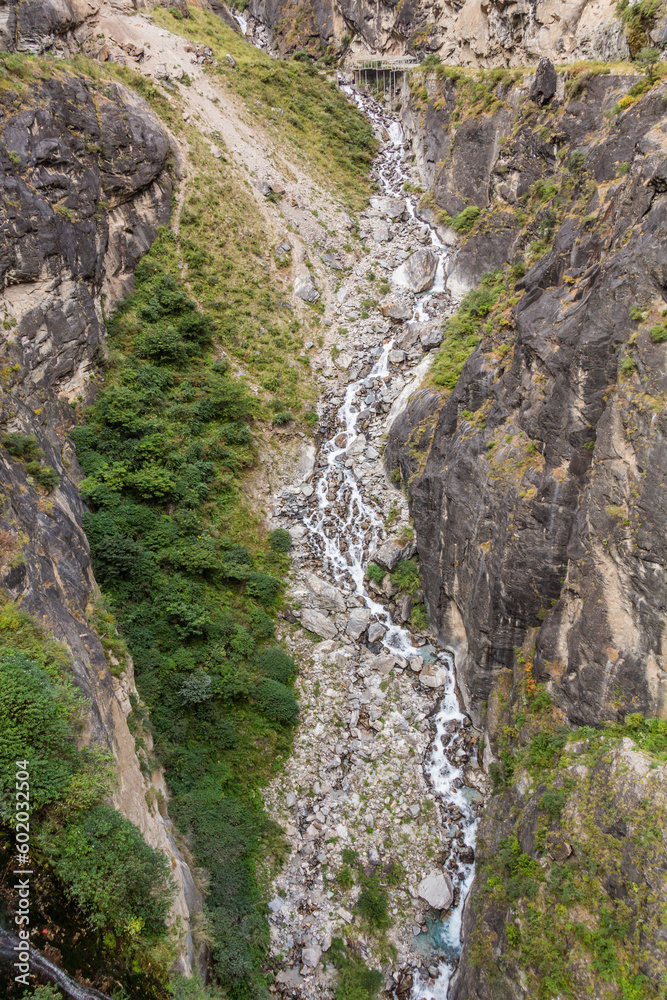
277	702
406	576
280	540
119	882
375	573
277	664
22	445
373	902
193	589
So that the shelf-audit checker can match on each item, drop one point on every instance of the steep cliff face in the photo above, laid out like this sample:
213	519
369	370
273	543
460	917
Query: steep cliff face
535	461
85	183
462	32
545	463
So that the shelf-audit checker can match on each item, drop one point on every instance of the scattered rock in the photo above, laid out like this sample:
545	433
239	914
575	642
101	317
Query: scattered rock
304	287
311	956
395	309
393	208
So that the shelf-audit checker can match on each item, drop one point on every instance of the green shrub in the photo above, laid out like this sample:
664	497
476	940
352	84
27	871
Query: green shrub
121	884
372	904
375	573
553	803
277	664
466	219
406	576
280	540
264	587
44	993
419	618
277	702
345	878
22	445
658	334
282	418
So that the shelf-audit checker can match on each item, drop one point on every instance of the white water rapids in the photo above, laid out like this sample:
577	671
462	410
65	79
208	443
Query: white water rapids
357	521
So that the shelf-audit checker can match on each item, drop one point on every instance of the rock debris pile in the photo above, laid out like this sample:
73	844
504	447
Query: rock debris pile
384	780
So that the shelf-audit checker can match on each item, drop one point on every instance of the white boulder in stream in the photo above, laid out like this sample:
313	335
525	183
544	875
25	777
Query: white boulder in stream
418	272
432	676
436	889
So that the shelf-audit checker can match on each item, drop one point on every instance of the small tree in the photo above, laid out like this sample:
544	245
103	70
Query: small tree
647	60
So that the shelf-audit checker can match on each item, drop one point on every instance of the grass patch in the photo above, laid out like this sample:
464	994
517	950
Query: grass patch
462	333
298	103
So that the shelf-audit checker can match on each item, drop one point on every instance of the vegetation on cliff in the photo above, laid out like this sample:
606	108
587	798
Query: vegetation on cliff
88	858
571	851
194	587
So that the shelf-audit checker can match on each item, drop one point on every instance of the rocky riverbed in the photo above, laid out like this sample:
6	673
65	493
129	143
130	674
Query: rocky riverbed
384	777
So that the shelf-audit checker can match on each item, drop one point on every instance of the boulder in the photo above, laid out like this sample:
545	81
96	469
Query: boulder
310	956
375	632
546	81
436	890
388	554
304	287
432	676
358	622
418	271
392	208
396	310
325	595
318	623
431	336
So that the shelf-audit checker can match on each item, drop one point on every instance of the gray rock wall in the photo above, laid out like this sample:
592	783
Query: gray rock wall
548	511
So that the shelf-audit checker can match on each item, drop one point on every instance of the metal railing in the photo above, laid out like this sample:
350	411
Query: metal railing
396	64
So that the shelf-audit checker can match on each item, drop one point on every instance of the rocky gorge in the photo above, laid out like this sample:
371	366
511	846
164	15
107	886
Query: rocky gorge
435	413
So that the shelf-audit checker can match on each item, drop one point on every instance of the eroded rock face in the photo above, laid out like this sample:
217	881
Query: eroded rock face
464	32
84	186
550	515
